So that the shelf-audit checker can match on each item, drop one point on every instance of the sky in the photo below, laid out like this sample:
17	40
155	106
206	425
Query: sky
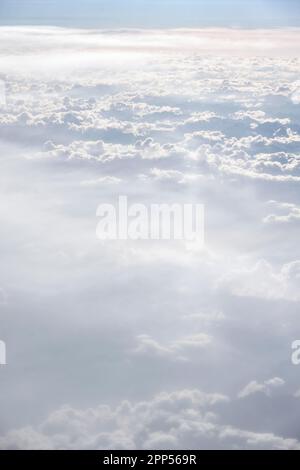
151	13
149	344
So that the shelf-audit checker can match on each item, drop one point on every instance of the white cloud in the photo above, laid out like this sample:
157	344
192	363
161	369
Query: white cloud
266	387
264	281
176	349
184	419
100	181
286	213
90	115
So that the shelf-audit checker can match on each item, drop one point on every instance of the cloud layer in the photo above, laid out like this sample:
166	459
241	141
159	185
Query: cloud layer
149	344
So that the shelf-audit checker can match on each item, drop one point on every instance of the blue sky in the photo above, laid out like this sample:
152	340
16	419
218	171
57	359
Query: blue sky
152	13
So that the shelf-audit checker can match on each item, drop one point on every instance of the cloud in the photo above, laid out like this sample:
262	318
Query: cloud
266	387
162	117
176	350
287	213
263	281
100	181
185	419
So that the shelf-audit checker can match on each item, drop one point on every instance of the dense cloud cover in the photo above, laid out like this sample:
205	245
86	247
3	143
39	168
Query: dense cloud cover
149	344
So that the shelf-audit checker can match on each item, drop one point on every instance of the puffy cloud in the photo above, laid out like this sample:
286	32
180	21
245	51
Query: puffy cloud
286	212
100	181
176	350
90	115
265	387
263	281
184	419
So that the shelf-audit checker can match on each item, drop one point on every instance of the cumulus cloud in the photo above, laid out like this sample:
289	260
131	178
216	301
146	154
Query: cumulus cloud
178	349
286	213
178	116
187	418
263	281
265	387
